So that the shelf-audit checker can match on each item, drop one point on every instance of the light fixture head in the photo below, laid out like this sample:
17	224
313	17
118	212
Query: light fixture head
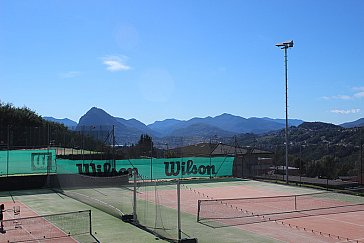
286	44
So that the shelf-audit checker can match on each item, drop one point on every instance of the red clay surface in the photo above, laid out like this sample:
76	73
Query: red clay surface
341	227
40	230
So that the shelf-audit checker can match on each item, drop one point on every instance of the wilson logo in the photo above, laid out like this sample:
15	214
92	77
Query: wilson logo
187	168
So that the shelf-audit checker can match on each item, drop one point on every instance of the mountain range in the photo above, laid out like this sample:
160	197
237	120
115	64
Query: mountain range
201	129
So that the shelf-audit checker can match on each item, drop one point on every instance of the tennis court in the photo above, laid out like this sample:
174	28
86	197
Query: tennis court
23	224
61	219
268	212
227	222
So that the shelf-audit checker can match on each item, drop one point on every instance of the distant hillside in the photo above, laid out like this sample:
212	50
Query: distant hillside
201	130
322	149
135	124
357	123
126	131
318	126
65	121
308	133
237	124
291	122
166	127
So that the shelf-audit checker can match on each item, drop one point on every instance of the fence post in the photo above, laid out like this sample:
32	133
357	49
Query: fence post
135	218
7	154
179	210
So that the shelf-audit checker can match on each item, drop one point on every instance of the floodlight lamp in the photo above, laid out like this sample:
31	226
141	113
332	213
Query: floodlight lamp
285	44
289	44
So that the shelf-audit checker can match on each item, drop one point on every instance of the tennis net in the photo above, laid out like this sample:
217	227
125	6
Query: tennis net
237	211
111	194
151	212
73	226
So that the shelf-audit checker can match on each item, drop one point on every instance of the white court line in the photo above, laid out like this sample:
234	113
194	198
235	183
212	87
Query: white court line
30	234
352	240
341	221
99	201
22	228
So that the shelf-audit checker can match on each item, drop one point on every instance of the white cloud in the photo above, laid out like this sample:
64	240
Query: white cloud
343	97
344	112
71	74
359	94
115	63
338	97
359	88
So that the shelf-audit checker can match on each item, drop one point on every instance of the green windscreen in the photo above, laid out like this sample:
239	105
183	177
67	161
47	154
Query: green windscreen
35	161
41	161
162	168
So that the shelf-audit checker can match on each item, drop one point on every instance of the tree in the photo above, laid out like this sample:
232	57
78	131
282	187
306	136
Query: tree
145	145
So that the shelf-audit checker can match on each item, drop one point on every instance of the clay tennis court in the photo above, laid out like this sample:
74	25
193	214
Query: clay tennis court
23	224
328	224
45	202
337	227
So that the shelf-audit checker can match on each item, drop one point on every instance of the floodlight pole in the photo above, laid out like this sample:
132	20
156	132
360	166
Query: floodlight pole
286	131
361	159
285	46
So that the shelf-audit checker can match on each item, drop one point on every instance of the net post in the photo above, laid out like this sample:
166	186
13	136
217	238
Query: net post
198	210
89	218
179	210
295	202
90	224
135	219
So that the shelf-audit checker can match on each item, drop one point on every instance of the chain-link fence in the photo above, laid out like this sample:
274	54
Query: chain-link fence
32	150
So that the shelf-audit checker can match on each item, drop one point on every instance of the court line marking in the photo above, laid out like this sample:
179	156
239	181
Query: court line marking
341	221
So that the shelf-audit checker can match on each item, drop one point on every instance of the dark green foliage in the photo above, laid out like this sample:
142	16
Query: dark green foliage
10	115
23	128
145	143
143	149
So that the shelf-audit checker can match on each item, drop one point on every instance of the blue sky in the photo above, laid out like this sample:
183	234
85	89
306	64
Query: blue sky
152	60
